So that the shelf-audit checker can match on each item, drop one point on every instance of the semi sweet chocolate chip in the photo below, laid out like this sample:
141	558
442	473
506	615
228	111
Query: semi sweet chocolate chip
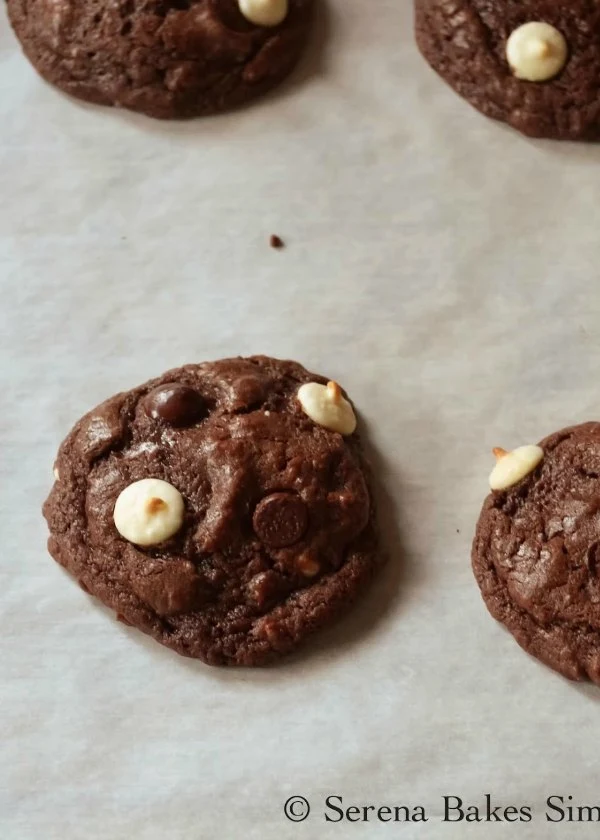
175	404
280	519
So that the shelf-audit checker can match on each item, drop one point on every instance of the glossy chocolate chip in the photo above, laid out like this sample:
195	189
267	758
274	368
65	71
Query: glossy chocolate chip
177	405
280	519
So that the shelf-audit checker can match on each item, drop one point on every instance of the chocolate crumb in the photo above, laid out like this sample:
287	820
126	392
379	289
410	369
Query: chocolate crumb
276	241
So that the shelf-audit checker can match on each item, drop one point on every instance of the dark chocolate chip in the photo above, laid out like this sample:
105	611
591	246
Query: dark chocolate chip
280	519
276	241
177	405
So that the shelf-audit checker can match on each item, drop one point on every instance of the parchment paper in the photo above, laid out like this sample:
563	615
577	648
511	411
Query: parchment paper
440	266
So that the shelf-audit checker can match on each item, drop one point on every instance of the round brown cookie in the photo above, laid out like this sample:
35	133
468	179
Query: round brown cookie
266	515
536	554
466	41
165	58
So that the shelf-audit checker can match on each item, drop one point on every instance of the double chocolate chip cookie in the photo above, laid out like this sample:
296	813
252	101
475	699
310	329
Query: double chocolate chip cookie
534	64
222	508
536	554
165	58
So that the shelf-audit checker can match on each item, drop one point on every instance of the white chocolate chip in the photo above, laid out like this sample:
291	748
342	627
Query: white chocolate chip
326	406
513	466
536	51
264	12
149	511
56	474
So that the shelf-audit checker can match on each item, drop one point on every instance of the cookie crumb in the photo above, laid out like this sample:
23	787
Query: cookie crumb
276	241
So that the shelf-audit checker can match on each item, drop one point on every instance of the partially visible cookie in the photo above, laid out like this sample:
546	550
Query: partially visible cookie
534	64
223	508
536	553
165	58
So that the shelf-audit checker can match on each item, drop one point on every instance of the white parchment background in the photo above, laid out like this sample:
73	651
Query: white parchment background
445	270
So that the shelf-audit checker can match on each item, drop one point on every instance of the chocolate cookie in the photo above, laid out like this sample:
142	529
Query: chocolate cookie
534	64
536	554
222	508
165	58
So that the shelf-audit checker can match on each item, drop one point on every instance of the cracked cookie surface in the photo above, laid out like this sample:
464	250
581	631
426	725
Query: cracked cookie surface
165	58
465	42
277	535
536	555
